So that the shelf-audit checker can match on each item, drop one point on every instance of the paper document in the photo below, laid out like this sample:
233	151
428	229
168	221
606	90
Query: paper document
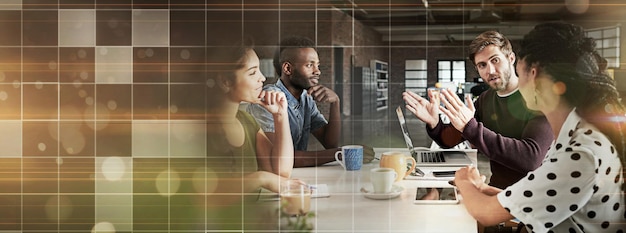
318	190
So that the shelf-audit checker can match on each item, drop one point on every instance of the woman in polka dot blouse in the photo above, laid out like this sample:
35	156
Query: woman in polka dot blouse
580	185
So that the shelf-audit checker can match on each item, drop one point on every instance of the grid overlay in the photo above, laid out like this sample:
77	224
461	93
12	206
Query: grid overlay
102	107
102	114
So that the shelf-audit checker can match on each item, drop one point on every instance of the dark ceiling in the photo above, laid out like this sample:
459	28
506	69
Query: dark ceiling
416	20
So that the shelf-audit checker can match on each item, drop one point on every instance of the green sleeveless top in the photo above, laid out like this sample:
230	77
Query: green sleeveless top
227	161
225	158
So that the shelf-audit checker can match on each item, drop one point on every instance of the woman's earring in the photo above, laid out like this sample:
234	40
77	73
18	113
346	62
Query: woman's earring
225	88
536	92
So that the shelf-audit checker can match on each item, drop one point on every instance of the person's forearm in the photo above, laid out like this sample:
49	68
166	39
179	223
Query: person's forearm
282	150
522	155
489	190
444	135
314	158
333	129
486	209
230	191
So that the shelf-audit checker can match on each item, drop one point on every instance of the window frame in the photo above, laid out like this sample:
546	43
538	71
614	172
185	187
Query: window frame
416	76
607	43
452	69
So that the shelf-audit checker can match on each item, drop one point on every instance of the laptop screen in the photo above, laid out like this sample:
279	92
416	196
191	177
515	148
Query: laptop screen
405	130
430	157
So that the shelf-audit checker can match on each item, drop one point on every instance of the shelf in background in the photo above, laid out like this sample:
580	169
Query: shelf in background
380	70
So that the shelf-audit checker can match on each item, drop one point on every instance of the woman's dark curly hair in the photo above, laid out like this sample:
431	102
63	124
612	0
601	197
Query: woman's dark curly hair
569	56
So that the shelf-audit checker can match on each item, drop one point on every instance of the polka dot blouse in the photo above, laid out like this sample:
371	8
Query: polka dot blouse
576	189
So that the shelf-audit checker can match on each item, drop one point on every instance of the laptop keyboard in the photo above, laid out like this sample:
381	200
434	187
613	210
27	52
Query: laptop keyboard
432	157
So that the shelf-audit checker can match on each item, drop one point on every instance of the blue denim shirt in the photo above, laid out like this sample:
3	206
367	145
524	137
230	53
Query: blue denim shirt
304	116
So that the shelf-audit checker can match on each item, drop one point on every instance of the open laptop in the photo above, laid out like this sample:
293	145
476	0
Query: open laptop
431	157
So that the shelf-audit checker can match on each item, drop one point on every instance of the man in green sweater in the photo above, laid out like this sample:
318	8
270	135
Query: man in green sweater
498	124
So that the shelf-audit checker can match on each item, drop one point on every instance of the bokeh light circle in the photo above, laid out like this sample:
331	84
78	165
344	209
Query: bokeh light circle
205	180
174	108
167	182
103	227
52	206
41	146
185	54
4	95
113	168
112	104
577	6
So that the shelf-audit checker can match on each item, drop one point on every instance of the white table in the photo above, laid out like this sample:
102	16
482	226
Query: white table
347	210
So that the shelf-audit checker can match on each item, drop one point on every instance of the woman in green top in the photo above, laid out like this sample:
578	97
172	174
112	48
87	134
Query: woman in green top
241	159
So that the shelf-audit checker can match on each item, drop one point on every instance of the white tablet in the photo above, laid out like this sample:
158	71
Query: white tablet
436	195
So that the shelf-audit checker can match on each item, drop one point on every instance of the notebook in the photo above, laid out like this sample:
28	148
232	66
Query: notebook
431	157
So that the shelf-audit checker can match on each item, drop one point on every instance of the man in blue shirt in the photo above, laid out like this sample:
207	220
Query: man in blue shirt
297	63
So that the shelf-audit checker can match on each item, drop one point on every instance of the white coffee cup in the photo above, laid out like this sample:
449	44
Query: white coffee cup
382	179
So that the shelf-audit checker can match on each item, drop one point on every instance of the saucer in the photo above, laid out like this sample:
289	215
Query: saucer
368	192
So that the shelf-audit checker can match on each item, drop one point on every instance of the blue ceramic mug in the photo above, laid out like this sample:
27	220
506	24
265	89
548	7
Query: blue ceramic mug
352	157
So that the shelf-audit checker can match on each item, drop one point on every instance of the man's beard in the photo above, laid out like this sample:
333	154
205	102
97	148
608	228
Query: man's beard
504	81
300	81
